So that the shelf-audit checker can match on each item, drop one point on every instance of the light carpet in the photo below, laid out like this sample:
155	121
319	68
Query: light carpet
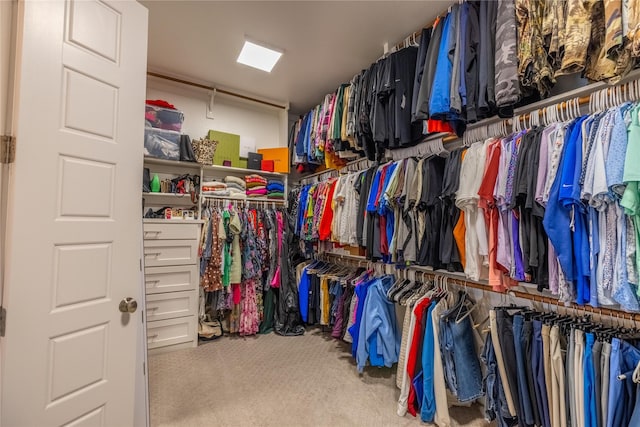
270	380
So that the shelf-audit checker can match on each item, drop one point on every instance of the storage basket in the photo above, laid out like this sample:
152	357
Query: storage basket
204	149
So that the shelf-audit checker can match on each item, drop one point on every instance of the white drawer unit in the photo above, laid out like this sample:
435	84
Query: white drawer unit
163	333
176	230
172	268
170	252
171	305
171	279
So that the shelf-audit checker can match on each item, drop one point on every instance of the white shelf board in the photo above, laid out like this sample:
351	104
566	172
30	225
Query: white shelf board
245	199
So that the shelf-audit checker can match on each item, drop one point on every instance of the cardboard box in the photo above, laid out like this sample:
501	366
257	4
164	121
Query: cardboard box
228	148
280	157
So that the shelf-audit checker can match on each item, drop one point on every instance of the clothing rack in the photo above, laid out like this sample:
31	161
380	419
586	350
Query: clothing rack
222	200
455	279
316	177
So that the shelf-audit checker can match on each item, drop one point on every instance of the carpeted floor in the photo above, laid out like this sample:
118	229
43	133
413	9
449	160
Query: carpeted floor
271	380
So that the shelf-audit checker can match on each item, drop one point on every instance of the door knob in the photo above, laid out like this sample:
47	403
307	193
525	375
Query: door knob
128	305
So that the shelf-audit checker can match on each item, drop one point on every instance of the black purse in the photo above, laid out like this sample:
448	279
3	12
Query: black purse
186	149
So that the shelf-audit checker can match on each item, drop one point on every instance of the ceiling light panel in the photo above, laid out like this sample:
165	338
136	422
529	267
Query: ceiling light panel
259	57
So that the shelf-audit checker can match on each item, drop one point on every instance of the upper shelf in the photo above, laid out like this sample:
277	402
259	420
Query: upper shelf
211	168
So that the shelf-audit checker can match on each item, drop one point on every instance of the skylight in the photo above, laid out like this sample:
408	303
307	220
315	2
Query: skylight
259	57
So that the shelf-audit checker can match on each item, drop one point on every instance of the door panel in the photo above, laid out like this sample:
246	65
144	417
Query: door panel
69	355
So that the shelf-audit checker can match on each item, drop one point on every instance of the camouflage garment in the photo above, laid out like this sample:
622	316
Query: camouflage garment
508	90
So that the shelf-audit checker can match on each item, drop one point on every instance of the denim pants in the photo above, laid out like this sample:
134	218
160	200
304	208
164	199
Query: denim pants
622	390
462	354
526	412
496	407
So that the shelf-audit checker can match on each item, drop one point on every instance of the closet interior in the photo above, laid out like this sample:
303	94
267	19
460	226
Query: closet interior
454	218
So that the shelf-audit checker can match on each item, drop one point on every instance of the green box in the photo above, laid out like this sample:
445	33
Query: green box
243	163
228	148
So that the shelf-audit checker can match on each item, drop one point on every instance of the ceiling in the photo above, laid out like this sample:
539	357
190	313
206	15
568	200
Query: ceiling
324	42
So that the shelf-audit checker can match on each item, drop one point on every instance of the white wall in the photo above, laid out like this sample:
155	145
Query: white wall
266	125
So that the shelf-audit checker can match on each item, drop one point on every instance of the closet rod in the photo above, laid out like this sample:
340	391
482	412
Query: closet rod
453	278
533	297
223	91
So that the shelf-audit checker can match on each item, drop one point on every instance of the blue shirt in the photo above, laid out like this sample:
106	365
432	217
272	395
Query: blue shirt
379	323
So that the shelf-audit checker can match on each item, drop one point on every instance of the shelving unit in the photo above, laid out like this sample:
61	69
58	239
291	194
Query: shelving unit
206	172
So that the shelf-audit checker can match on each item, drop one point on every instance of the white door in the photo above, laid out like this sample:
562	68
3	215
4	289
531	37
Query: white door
74	215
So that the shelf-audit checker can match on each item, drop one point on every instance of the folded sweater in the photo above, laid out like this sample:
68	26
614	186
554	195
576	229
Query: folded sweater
255	178
235	180
212	186
275	195
275	187
256	184
257	192
234	186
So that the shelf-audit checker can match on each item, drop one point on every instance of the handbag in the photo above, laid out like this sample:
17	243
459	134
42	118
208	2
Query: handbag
186	149
204	149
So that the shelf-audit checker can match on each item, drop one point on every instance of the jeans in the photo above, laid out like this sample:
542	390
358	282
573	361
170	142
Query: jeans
622	391
496	407
526	412
446	349
590	412
462	353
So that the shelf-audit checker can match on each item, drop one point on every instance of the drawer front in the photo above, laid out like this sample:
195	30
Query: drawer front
170	252
171	305
171	231
171	279
173	331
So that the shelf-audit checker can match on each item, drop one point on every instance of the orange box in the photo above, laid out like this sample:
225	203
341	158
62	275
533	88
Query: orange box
280	157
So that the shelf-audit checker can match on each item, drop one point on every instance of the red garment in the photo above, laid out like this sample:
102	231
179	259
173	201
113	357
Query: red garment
437	126
324	231
415	352
236	293
497	279
160	103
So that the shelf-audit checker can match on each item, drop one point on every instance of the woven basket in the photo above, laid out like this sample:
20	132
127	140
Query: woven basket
204	149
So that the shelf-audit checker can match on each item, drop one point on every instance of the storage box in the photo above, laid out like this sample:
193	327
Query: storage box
163	144
228	148
266	165
163	118
254	161
243	163
280	157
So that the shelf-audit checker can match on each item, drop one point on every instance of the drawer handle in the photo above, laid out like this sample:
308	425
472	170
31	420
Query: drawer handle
152	253
152	336
153	231
152	281
152	308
